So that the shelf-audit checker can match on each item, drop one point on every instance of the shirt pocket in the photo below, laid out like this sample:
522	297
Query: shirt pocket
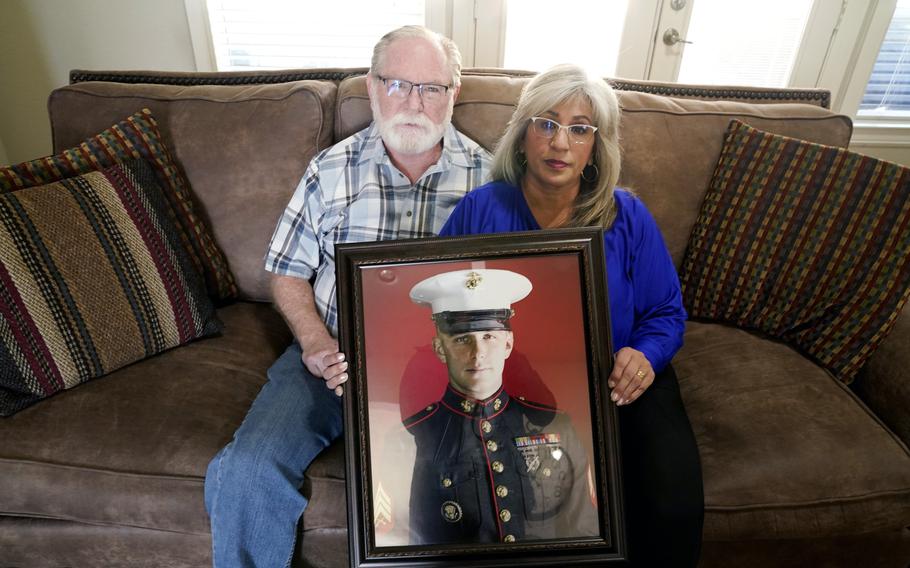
445	505
546	488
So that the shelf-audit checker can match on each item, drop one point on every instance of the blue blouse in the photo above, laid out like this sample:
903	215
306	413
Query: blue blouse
646	310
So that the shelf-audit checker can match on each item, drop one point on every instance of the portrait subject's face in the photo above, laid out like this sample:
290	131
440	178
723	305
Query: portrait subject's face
475	360
412	125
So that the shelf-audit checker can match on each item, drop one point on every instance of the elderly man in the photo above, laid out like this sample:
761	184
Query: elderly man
490	467
398	178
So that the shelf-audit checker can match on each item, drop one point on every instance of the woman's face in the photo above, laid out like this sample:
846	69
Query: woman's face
556	163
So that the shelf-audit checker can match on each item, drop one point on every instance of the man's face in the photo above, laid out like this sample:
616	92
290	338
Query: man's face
475	360
412	125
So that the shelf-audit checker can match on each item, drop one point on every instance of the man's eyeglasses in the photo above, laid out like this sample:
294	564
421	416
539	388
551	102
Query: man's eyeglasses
401	89
578	133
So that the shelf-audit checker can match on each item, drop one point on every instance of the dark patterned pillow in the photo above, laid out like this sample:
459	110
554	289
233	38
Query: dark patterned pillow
135	137
807	243
92	278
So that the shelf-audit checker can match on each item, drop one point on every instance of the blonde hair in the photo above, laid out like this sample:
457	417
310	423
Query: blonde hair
595	205
446	45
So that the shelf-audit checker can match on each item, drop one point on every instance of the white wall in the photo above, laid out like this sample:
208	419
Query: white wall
899	154
41	40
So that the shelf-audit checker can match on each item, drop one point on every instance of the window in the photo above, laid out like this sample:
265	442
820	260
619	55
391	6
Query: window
535	40
888	90
736	43
283	34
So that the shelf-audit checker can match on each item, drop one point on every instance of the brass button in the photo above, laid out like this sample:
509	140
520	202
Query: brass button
505	515
497	467
508	538
451	511
546	472
486	426
492	446
502	490
447	482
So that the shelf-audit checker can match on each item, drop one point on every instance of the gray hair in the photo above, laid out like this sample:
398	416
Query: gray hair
595	205
446	45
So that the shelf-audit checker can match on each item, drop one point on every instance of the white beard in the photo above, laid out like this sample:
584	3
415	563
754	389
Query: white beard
420	134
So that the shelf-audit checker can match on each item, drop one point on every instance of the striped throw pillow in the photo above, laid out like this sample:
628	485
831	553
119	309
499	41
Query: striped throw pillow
136	137
809	244
92	278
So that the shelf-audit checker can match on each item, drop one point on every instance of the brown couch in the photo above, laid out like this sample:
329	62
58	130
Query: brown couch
799	470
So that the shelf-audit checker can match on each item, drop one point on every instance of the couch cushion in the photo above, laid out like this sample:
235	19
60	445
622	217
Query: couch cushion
670	146
242	148
137	136
131	448
787	451
48	543
805	242
324	486
92	278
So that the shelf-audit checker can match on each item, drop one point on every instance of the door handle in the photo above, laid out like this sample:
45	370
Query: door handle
671	37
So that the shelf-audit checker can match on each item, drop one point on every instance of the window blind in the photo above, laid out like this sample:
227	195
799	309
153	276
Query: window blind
743	43
286	34
888	90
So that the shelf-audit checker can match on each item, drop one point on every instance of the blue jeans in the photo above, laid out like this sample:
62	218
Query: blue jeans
252	487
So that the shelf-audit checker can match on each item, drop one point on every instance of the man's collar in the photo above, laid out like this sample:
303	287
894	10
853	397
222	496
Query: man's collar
454	150
371	147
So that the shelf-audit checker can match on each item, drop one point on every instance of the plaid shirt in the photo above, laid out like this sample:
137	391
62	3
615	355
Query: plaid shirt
352	192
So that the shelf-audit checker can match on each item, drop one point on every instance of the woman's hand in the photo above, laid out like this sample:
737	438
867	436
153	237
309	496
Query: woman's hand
632	375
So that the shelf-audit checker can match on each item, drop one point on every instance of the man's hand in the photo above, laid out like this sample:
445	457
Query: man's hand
632	375
328	364
294	299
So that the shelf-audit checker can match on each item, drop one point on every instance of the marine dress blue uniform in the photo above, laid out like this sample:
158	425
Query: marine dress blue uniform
499	470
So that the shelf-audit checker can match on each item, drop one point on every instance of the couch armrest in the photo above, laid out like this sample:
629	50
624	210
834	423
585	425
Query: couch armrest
884	382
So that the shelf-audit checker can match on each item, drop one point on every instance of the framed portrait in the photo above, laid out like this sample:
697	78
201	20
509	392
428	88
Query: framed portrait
478	425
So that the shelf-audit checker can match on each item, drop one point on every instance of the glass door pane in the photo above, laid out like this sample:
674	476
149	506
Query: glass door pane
542	33
743	43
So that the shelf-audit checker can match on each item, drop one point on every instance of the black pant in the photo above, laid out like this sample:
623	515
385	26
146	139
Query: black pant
662	483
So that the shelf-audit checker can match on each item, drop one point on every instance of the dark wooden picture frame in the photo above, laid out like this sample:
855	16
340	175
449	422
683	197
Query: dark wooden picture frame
567	332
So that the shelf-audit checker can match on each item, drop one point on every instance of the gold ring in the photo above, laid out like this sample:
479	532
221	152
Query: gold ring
640	374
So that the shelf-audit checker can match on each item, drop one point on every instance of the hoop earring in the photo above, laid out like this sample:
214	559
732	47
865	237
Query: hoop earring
591	177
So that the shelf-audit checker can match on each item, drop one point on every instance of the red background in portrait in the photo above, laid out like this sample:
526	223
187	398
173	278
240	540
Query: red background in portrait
548	363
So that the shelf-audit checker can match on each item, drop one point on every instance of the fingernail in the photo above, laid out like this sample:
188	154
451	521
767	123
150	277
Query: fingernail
614	397
621	402
611	384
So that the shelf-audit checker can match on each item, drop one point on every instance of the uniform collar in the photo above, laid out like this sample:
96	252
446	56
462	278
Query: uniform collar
473	408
